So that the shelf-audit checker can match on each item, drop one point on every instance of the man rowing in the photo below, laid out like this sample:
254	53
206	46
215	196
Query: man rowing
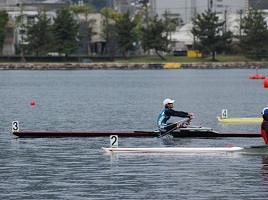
165	115
264	125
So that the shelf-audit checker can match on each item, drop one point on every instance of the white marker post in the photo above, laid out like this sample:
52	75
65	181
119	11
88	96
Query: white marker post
114	141
15	126
224	113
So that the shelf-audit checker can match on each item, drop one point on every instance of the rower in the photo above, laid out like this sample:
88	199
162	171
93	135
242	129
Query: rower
264	125
165	115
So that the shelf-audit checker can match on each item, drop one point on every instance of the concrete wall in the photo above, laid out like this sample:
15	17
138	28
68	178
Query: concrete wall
132	66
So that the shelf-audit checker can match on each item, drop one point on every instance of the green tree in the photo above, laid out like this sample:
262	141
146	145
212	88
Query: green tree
3	22
85	23
153	36
170	26
208	31
38	39
82	9
126	33
65	32
109	30
254	37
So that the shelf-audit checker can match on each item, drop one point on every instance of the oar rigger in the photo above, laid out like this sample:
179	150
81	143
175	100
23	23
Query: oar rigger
180	124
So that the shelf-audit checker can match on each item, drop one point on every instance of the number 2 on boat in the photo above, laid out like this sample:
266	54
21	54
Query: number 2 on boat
113	141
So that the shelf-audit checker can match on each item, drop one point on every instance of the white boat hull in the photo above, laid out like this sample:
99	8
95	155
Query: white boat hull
253	150
174	150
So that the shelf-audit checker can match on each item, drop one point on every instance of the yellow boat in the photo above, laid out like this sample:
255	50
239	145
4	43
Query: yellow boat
240	120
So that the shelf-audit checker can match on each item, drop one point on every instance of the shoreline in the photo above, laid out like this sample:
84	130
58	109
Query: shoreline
132	66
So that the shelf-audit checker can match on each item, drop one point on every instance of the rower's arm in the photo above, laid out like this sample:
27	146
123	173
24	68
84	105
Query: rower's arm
171	112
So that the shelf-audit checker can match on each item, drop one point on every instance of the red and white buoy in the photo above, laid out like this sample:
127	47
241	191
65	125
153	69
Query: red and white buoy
32	103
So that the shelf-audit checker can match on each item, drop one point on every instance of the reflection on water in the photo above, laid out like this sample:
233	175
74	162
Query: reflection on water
264	170
173	142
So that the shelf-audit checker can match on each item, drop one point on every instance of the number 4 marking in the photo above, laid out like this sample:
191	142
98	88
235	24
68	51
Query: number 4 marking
224	113
15	126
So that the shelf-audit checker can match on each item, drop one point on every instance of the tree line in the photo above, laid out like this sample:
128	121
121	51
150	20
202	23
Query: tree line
125	33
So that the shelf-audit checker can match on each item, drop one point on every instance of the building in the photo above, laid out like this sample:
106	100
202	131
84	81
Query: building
258	4
8	46
95	44
131	5
182	39
189	8
28	9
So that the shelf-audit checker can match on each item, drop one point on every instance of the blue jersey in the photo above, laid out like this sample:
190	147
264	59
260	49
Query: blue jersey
162	119
165	115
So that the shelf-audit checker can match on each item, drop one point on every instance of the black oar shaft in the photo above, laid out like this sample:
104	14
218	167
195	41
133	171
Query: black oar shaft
173	129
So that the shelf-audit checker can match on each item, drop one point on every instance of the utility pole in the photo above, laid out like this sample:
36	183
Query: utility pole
240	21
225	20
193	9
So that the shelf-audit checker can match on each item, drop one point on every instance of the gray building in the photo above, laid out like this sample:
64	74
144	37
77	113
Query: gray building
258	4
188	8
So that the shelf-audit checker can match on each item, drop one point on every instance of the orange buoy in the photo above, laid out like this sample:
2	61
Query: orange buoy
265	83
32	103
257	76
261	76
251	76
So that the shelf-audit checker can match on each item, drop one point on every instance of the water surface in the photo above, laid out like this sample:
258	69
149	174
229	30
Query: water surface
76	168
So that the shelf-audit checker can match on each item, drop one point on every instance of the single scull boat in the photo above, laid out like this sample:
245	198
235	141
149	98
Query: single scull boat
172	150
258	150
240	120
181	133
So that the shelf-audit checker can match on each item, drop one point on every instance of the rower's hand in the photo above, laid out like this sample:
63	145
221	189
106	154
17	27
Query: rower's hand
191	115
179	125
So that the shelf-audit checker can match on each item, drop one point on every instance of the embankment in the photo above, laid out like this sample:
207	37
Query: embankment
131	66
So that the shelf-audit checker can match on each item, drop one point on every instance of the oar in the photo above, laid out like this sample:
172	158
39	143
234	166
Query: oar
168	132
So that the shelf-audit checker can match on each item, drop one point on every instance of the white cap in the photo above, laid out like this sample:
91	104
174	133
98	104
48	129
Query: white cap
265	111
166	101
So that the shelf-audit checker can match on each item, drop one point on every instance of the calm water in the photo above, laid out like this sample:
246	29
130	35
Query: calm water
76	168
